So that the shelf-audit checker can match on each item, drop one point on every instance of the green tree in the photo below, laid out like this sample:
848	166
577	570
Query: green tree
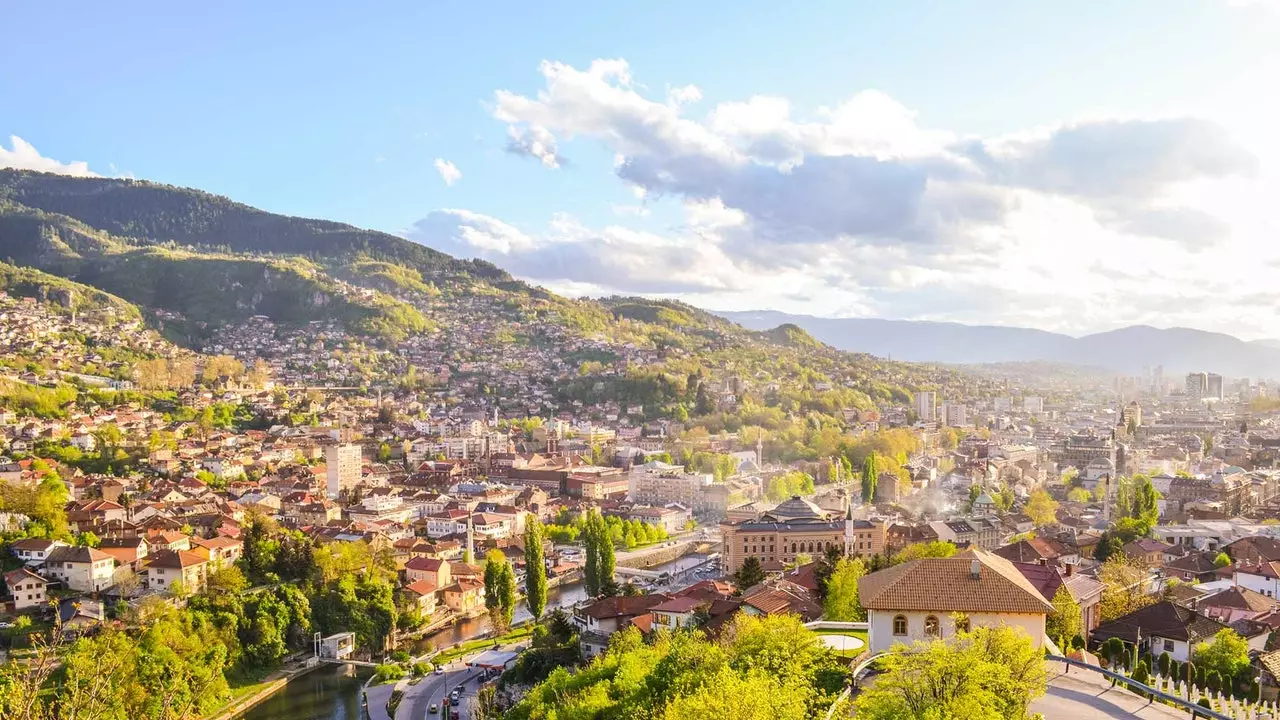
1124	587
932	549
987	674
1226	655
494	561
749	575
1064	624
1042	509
1079	495
535	578
870	476
841	603
1222	560
591	543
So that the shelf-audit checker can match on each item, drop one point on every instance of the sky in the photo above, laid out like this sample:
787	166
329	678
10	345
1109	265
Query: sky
1074	167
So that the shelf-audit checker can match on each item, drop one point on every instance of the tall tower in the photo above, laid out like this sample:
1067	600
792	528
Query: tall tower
760	451
848	531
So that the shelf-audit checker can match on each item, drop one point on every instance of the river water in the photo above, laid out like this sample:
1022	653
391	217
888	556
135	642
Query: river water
328	693
333	692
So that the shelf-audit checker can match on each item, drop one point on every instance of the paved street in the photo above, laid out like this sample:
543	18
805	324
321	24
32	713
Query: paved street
433	689
1082	694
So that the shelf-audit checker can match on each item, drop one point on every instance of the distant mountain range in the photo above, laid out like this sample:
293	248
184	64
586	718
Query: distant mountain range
1127	350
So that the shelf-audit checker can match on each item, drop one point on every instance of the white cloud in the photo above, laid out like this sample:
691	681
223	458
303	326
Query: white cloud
861	209
448	171
24	156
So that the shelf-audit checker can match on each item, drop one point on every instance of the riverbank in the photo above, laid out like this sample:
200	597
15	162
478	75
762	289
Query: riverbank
246	698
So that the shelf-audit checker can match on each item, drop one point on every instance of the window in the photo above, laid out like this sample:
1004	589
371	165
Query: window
931	626
793	547
900	625
1168	646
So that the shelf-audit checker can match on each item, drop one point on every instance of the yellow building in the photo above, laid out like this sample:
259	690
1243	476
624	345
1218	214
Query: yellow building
797	527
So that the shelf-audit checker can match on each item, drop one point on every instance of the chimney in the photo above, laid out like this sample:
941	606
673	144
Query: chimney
975	569
1042	562
1069	569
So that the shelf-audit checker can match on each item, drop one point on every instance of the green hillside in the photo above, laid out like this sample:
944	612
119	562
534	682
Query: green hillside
29	282
197	263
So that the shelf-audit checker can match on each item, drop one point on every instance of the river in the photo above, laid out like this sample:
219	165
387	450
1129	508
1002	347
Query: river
328	693
333	693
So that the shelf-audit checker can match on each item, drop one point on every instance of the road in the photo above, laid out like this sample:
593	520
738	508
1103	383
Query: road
1082	694
433	689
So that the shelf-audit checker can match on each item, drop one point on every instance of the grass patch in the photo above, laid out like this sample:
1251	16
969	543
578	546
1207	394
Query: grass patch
472	646
859	634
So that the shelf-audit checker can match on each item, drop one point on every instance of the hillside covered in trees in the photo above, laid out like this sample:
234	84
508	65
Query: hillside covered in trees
196	264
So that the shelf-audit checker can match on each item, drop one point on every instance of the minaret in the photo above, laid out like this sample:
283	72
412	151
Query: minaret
469	556
760	451
848	531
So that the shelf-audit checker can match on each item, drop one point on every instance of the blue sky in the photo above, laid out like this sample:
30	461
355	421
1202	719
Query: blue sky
341	111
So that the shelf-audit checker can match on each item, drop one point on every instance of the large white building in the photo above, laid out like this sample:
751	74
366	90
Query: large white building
342	467
923	599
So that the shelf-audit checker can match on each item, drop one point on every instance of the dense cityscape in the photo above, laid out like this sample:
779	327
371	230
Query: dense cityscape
750	361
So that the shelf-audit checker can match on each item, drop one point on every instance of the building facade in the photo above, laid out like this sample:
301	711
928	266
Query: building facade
342	467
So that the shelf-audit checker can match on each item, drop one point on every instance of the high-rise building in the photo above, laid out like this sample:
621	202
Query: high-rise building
342	467
953	415
1197	384
1213	386
1131	415
927	406
1033	404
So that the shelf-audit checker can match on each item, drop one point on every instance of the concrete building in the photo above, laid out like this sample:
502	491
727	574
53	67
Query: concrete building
342	468
1197	384
926	406
954	415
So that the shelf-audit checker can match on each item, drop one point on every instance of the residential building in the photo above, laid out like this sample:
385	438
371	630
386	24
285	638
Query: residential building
600	619
34	551
1164	627
80	568
27	589
1086	591
167	567
924	599
342	467
979	531
926	406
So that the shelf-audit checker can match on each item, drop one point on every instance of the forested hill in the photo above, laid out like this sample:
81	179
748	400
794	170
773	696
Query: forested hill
158	213
199	266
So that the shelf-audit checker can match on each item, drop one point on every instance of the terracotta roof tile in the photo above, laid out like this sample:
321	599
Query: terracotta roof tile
948	584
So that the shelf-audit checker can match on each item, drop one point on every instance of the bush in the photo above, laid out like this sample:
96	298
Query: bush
1141	673
421	668
388	672
400	656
